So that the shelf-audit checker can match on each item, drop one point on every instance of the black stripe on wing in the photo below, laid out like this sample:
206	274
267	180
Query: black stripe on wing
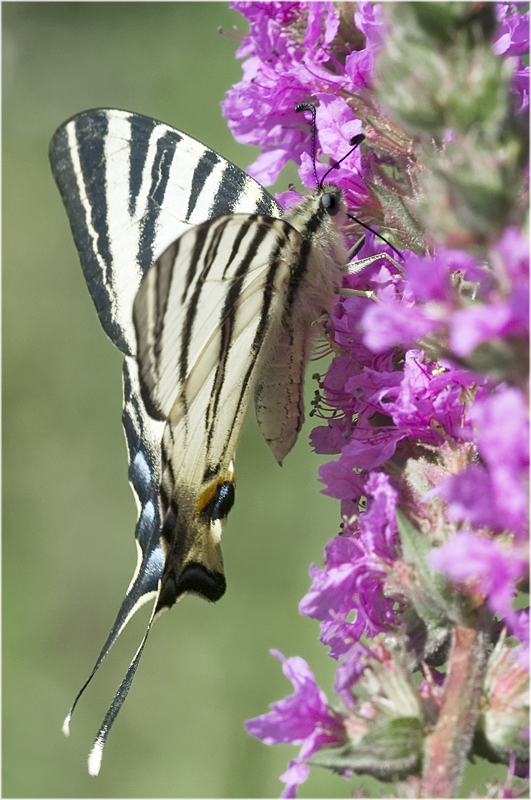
154	204
194	267
83	206
206	164
286	241
91	133
234	193
229	312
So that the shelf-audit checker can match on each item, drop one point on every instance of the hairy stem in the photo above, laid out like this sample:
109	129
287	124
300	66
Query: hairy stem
448	746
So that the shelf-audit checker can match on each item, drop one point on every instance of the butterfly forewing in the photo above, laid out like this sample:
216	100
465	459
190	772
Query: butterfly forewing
131	185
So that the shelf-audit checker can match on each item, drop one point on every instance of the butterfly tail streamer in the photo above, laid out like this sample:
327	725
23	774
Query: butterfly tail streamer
142	589
96	753
144	477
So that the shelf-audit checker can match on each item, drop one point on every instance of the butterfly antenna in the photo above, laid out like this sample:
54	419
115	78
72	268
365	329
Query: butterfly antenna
354	142
379	235
310	107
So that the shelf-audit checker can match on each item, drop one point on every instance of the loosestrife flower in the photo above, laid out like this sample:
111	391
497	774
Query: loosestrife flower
304	718
425	402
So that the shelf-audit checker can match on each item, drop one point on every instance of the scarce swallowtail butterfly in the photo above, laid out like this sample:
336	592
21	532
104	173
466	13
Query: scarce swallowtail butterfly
211	292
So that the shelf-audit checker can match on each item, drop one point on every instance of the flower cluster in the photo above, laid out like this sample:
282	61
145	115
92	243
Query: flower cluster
425	400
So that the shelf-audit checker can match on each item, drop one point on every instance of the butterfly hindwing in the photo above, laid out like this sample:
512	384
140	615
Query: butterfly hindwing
207	316
315	277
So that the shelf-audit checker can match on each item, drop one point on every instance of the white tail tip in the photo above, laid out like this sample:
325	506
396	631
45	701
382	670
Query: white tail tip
66	724
94	759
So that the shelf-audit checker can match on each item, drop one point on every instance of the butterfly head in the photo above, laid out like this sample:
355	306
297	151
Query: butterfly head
331	199
324	208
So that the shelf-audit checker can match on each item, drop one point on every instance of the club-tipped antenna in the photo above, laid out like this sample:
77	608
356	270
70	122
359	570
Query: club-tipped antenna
354	142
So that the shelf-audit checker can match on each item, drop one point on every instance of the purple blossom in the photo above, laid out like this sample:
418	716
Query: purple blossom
302	718
501	424
512	37
427	399
430	279
377	524
350	671
472	326
511	41
506	312
316	41
394	323
341	479
427	302
469	497
354	574
359	64
513	252
351	581
280	70
418	401
520	86
513	249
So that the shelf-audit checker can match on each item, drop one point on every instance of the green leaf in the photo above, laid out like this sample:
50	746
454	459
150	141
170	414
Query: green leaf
438	602
415	550
388	751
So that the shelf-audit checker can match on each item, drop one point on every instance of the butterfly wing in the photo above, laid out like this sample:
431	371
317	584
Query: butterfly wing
207	317
131	185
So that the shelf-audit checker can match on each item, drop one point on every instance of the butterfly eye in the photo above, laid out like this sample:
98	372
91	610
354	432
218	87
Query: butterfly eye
330	202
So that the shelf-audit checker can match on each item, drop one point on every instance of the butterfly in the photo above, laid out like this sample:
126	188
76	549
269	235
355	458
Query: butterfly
211	291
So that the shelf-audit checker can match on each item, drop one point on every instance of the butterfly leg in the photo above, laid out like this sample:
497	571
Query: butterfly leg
354	267
357	266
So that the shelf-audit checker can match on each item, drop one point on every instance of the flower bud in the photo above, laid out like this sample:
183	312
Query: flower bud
504	722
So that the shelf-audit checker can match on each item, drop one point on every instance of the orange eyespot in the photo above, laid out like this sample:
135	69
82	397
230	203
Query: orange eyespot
217	500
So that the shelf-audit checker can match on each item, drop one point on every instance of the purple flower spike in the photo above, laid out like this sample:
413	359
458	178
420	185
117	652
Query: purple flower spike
425	402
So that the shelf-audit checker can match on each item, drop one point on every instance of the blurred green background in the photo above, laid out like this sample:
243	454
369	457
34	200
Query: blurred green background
68	513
